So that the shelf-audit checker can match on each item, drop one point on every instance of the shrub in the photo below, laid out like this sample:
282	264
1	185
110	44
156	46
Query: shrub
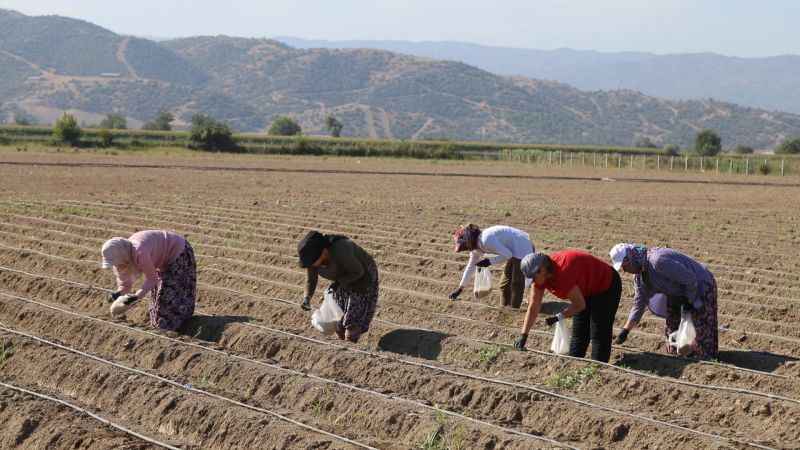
210	134
114	122
644	142
743	150
672	150
66	130
707	143
106	138
764	168
162	122
23	119
790	146
284	126
334	126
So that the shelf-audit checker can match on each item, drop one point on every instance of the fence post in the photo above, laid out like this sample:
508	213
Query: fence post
560	156
747	166
730	166
549	158
686	163
606	160
702	164
671	162
658	162
782	166
619	161
717	165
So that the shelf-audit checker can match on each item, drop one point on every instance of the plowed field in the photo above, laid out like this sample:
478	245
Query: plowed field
249	371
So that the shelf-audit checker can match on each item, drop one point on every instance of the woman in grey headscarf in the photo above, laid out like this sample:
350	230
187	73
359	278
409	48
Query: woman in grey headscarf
668	282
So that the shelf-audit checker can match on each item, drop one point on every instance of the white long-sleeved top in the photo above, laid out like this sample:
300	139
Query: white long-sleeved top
502	241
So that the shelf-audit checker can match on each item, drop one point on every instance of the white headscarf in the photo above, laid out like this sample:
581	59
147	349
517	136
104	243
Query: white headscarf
116	251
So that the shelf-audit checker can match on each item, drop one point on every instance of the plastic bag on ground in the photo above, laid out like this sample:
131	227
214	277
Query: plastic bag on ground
327	316
561	338
483	282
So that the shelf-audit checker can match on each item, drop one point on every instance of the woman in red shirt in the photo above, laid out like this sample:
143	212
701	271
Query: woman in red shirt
593	289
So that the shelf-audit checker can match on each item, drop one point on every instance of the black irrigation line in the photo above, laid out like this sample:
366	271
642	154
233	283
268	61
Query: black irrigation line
184	387
86	412
393	173
230	219
276	366
733	367
395	289
398	274
429	366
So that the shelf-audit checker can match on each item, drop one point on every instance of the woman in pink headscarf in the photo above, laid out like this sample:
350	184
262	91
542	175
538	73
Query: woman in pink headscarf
167	262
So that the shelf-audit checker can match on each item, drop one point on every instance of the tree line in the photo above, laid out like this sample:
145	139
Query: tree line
207	133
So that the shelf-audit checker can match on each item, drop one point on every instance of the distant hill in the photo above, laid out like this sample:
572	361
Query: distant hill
769	83
49	64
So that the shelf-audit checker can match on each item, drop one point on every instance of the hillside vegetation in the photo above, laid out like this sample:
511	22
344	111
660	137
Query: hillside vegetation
55	63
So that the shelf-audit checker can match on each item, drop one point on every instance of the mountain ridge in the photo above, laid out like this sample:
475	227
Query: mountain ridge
55	63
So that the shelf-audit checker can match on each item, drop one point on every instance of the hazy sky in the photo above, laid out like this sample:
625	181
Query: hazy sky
732	27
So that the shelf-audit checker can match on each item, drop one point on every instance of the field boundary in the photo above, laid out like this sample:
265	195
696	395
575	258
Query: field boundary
398	173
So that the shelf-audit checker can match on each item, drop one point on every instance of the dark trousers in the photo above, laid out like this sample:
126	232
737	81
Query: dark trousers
512	284
596	323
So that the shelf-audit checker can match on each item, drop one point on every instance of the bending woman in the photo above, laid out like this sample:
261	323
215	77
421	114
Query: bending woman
509	245
593	289
167	262
684	283
354	275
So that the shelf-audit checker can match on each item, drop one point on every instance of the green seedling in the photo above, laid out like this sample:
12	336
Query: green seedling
489	354
434	441
572	379
5	353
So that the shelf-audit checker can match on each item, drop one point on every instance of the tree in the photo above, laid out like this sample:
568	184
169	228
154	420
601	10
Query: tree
106	138
707	143
672	150
334	126
790	146
644	142
284	126
66	130
210	134
743	150
114	122
162	122
23	119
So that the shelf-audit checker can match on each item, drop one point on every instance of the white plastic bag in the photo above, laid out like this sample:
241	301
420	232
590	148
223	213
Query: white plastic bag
561	338
683	339
327	316
483	282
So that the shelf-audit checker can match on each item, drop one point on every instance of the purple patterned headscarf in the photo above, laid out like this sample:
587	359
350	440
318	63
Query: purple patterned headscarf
636	256
466	238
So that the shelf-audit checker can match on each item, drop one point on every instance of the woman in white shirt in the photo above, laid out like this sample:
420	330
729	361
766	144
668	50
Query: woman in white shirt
509	245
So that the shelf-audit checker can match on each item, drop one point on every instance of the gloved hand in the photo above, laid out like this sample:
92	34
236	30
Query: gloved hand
622	337
113	296
550	321
519	344
454	295
306	304
484	263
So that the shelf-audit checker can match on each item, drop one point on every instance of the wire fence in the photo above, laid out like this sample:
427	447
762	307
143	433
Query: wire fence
723	164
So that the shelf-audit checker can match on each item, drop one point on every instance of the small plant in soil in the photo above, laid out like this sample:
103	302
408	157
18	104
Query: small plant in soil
489	354
570	380
6	350
434	441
